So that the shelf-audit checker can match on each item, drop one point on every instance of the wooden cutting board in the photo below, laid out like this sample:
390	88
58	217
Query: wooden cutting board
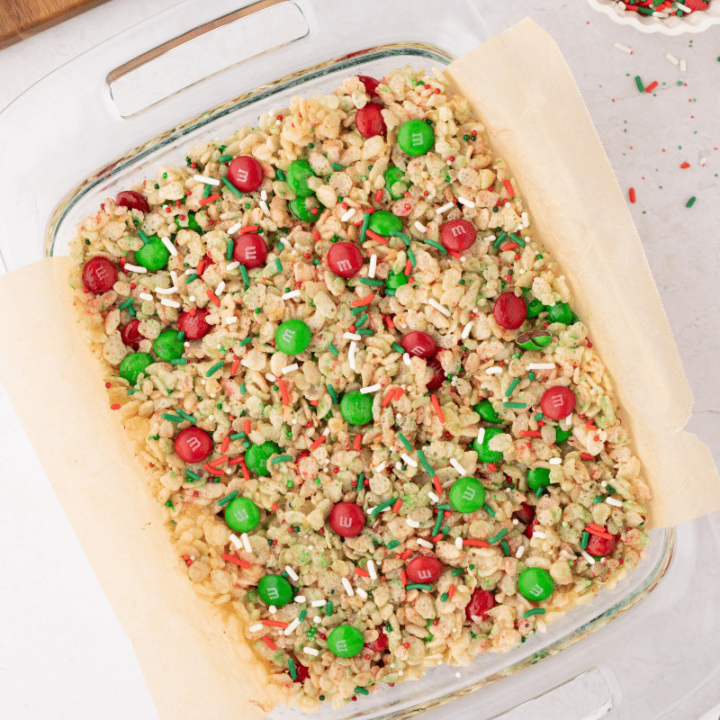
21	18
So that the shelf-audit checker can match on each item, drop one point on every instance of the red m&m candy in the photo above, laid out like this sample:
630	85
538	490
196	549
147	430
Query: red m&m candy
193	445
133	200
480	602
99	275
301	672
600	546
345	259
130	334
369	120
525	514
419	344
557	402
250	250
424	569
347	519
458	235
245	173
370	85
530	529
381	643
438	377
510	311
194	326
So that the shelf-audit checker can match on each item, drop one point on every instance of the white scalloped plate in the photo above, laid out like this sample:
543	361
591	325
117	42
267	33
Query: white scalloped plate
693	23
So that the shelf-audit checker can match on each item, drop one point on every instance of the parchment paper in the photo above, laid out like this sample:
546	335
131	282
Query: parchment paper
520	86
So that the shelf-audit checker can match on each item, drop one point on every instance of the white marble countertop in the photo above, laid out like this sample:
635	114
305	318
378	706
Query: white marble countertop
63	653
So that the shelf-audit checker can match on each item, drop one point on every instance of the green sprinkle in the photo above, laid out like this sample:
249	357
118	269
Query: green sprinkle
227	498
404	441
278	265
499	239
690	202
231	187
357	310
361	479
444	597
244	275
361	320
598	499
438	524
245	341
329	608
531	375
336	166
437	246
445	530
293	669
518	240
405	238
425	463
418	586
214	369
190	278
361	690
183	414
179	361
505	547
333	394
192	475
393	544
639	83
207	190
390	291
365	331
534	611
302	616
398	348
644	11
444	507
383	505
363	229
281	459
456	572
488	510
411	255
225	158
237	436
143	237
230	248
584	540
371	281
132	391
172	418
512	386
539	416
333	350
127	303
388	626
498	537
610	489
514	405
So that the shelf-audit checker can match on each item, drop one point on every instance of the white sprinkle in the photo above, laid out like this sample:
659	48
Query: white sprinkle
291	627
420	226
439	307
515	521
445	208
234	228
291	294
412	523
464	201
317	619
351	356
406	358
311	651
166	291
326	431
292	573
370	510
173	275
539	534
170	303
192	298
272	609
433	496
187	344
264	207
525	219
145	296
458	543
233	265
290	368
555	461
318	603
257	627
424	543
270	377
352	336
457	466
494	370
683	66
520	551
466	331
263	195
408	460
490	238
568	419
371	570
348	587
624	48
541	366
604	483
206	180
613	501
220	287
166	242
246	542
244	363
588	557
381	466
457	674
373	265
235	540
299	599
370	389
702	162
285	242
672	59
230	320
481	435
361	593
347	215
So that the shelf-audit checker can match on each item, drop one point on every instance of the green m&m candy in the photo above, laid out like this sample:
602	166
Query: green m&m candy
535	584
345	641
383	223
538	477
534	339
275	590
257	456
534	308
416	137
396	280
292	337
297	178
561	313
169	345
242	515
394	183
487	412
485	454
133	365
467	495
153	255
192	223
562	435
356	408
302	208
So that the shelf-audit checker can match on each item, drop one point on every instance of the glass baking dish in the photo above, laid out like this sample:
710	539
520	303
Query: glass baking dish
89	150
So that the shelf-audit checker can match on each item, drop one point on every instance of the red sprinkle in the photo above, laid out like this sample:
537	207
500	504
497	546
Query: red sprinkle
213	297
212	470
219	461
115	407
209	199
685	165
493	467
438	410
398	394
275	623
357	441
587	456
361	572
632	195
235	366
225	444
397	506
509	188
403	577
283	391
317	442
451	590
389	321
476	543
269	642
236	561
438	486
600	533
530	433
651	86
388	397
363	301
378	196
375	236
